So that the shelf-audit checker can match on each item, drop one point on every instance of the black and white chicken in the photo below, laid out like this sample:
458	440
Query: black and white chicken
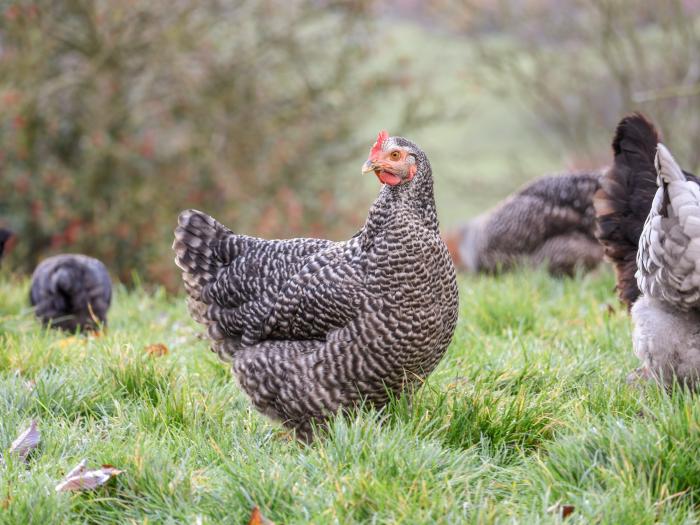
71	292
313	326
549	222
649	222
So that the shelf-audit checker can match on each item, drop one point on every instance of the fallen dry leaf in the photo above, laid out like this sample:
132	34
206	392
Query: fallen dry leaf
256	518
562	509
157	350
5	503
26	442
566	510
78	469
82	479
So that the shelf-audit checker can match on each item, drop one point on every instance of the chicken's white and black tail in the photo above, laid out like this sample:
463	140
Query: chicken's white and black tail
667	168
668	261
233	281
203	251
195	242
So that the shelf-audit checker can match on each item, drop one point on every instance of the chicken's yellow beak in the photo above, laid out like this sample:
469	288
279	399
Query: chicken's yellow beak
368	167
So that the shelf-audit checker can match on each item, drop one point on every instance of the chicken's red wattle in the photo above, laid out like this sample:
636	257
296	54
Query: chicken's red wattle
388	178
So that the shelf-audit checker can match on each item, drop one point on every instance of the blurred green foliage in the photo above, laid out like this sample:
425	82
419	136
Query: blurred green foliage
578	66
116	115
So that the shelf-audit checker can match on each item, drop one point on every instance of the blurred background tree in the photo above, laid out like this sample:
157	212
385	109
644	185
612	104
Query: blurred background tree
577	66
116	115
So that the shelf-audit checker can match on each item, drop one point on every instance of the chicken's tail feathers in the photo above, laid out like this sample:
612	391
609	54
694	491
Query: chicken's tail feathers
667	167
624	199
636	138
196	246
194	236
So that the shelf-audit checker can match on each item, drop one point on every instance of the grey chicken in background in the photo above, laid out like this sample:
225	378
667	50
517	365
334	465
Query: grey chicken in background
550	221
313	326
649	222
71	292
5	237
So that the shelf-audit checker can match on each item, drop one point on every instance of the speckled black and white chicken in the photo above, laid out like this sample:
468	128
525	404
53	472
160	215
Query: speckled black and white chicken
313	326
71	291
649	222
550	221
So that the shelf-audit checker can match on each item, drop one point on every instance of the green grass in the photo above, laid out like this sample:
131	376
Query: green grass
529	408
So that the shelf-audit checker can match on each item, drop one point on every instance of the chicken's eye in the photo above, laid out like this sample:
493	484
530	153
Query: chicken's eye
395	155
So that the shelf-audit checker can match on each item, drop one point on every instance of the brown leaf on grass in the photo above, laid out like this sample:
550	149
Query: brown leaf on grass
562	509
82	479
157	350
78	469
26	442
97	334
566	510
5	503
256	518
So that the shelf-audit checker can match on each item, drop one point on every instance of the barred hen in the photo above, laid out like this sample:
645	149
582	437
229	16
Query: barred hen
548	222
652	235
314	326
71	292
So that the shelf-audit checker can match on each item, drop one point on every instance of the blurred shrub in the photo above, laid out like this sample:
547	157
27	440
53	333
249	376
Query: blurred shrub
116	115
580	65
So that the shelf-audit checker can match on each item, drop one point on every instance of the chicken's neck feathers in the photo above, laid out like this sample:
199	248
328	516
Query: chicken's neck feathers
413	202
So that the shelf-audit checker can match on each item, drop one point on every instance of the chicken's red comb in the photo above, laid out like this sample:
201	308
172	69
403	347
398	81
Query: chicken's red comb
383	135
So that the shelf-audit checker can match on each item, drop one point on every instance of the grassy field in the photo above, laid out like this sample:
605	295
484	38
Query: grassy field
528	410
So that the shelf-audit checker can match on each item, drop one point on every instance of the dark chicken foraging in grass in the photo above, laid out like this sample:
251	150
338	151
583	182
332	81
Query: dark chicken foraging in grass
71	292
550	222
649	222
313	326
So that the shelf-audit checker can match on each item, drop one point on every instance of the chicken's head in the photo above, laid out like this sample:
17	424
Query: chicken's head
393	161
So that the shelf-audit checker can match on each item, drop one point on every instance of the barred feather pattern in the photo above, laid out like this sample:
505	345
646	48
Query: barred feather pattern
71	292
649	222
313	326
667	315
548	222
624	201
668	260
